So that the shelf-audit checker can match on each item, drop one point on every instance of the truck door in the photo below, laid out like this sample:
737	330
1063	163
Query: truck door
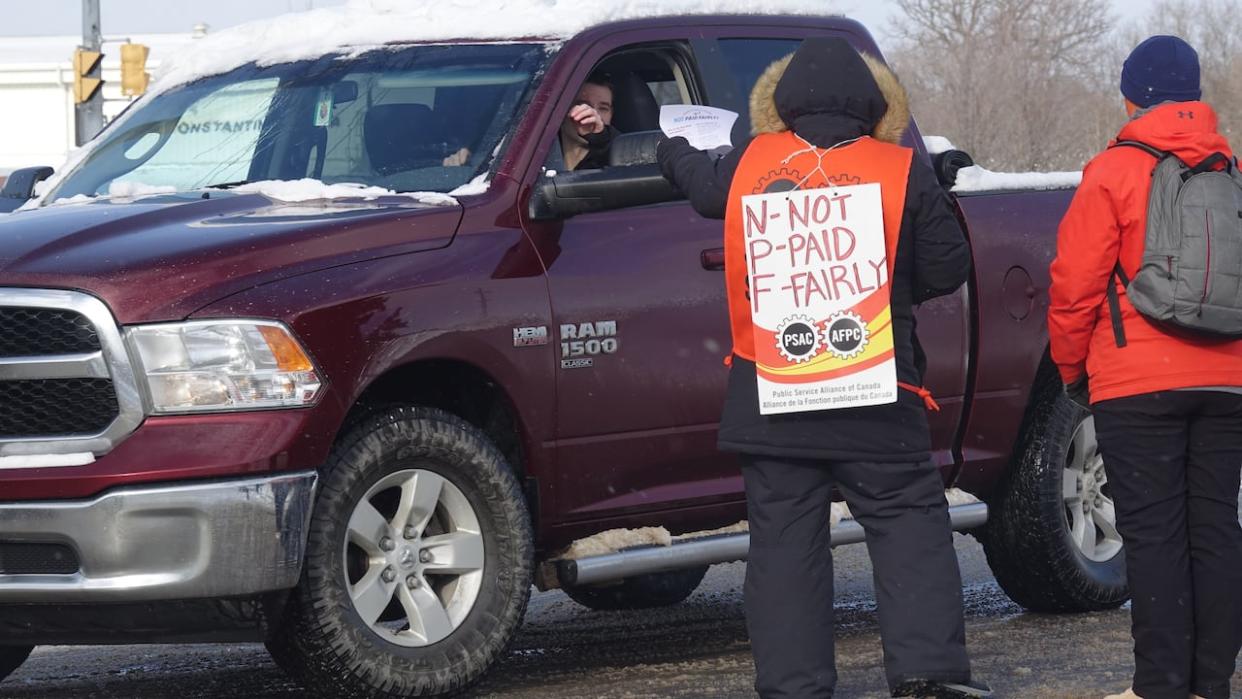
640	324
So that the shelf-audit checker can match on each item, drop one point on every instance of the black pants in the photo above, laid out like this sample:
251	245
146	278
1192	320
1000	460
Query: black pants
789	575
1173	461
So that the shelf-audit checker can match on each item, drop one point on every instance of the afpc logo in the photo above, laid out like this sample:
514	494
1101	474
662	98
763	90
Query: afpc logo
798	339
847	335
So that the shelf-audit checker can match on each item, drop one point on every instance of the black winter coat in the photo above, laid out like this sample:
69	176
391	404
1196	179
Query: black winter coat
829	95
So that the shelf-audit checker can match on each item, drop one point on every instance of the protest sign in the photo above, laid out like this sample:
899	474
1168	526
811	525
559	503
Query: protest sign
819	288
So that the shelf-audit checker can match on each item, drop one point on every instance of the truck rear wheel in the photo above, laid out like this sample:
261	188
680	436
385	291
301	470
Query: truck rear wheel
1051	539
640	591
419	562
11	658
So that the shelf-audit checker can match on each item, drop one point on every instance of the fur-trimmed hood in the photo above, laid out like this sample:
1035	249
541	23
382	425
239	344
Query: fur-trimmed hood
826	79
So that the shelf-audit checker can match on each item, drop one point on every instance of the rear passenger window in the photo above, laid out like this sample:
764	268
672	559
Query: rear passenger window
748	58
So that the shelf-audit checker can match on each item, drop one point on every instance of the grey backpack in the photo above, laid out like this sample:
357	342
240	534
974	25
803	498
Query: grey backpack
1190	280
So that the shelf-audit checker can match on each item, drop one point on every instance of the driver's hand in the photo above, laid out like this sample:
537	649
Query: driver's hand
458	159
586	119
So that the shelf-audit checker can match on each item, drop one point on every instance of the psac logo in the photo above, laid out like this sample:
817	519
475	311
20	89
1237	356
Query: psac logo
588	339
797	339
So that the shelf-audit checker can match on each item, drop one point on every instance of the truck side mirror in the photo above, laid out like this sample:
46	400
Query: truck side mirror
21	183
638	148
571	193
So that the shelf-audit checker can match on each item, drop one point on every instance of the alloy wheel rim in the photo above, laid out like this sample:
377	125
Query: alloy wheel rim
414	558
1090	515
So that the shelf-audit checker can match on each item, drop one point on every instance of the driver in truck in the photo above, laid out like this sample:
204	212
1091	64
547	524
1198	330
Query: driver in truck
586	134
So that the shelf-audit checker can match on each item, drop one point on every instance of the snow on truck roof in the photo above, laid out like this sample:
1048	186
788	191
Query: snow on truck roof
361	25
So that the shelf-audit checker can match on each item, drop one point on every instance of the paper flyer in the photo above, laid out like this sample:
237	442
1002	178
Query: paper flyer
704	127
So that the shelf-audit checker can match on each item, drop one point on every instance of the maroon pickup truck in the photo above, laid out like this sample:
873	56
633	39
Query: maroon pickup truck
243	397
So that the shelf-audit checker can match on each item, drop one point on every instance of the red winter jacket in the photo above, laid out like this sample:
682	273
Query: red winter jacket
1106	222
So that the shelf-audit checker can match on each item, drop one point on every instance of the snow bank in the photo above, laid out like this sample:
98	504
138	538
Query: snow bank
739	528
365	24
980	179
617	540
313	190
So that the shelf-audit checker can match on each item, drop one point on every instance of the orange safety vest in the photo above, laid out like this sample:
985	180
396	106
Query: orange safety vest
776	162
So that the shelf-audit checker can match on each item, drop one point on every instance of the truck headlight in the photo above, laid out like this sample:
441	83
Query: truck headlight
215	365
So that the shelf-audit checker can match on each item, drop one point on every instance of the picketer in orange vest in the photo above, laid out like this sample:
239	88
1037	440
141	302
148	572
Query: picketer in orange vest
833	232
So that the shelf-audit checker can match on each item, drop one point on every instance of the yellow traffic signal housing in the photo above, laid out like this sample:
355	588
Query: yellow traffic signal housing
86	80
134	76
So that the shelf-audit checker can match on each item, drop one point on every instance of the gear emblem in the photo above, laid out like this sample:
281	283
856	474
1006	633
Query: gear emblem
846	334
844	180
782	180
797	339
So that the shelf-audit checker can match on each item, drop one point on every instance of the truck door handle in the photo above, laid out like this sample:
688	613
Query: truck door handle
713	259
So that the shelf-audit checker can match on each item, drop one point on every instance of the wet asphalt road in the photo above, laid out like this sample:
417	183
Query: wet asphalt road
697	649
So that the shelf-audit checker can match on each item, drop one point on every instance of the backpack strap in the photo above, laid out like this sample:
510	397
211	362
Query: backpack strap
1209	164
1150	150
1114	303
1156	153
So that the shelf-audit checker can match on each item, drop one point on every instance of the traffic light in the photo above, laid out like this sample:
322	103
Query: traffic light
134	76
86	80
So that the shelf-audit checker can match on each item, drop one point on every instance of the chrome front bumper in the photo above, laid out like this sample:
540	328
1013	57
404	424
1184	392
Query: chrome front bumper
195	540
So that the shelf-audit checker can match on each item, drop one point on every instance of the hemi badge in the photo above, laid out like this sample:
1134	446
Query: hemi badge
530	337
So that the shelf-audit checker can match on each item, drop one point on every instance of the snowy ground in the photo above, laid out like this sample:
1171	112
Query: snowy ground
697	649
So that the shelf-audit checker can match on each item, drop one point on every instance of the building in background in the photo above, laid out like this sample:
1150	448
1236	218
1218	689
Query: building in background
36	92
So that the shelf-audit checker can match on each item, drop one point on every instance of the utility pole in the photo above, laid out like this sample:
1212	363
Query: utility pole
88	112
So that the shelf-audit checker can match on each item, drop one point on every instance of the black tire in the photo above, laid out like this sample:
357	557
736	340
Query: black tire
1027	538
323	642
11	658
640	591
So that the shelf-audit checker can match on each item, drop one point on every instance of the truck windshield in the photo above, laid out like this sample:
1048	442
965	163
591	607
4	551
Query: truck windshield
416	118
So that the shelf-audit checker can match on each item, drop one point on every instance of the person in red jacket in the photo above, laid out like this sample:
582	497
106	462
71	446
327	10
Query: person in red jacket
1167	407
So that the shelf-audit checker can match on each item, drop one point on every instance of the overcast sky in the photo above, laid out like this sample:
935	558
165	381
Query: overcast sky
146	16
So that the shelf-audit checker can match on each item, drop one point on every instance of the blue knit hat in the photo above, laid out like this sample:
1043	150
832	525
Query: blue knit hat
1161	69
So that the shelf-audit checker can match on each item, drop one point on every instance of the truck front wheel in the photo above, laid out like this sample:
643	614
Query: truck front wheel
1051	539
11	658
640	591
418	565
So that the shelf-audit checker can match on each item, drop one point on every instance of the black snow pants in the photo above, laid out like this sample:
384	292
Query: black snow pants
789	585
1174	461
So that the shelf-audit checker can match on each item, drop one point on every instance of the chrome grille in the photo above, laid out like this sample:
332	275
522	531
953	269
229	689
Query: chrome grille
66	385
28	332
56	407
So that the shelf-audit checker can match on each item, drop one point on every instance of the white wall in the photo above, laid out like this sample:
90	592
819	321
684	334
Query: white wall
36	112
36	93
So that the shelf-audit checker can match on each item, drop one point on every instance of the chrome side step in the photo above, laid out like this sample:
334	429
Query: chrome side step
723	548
